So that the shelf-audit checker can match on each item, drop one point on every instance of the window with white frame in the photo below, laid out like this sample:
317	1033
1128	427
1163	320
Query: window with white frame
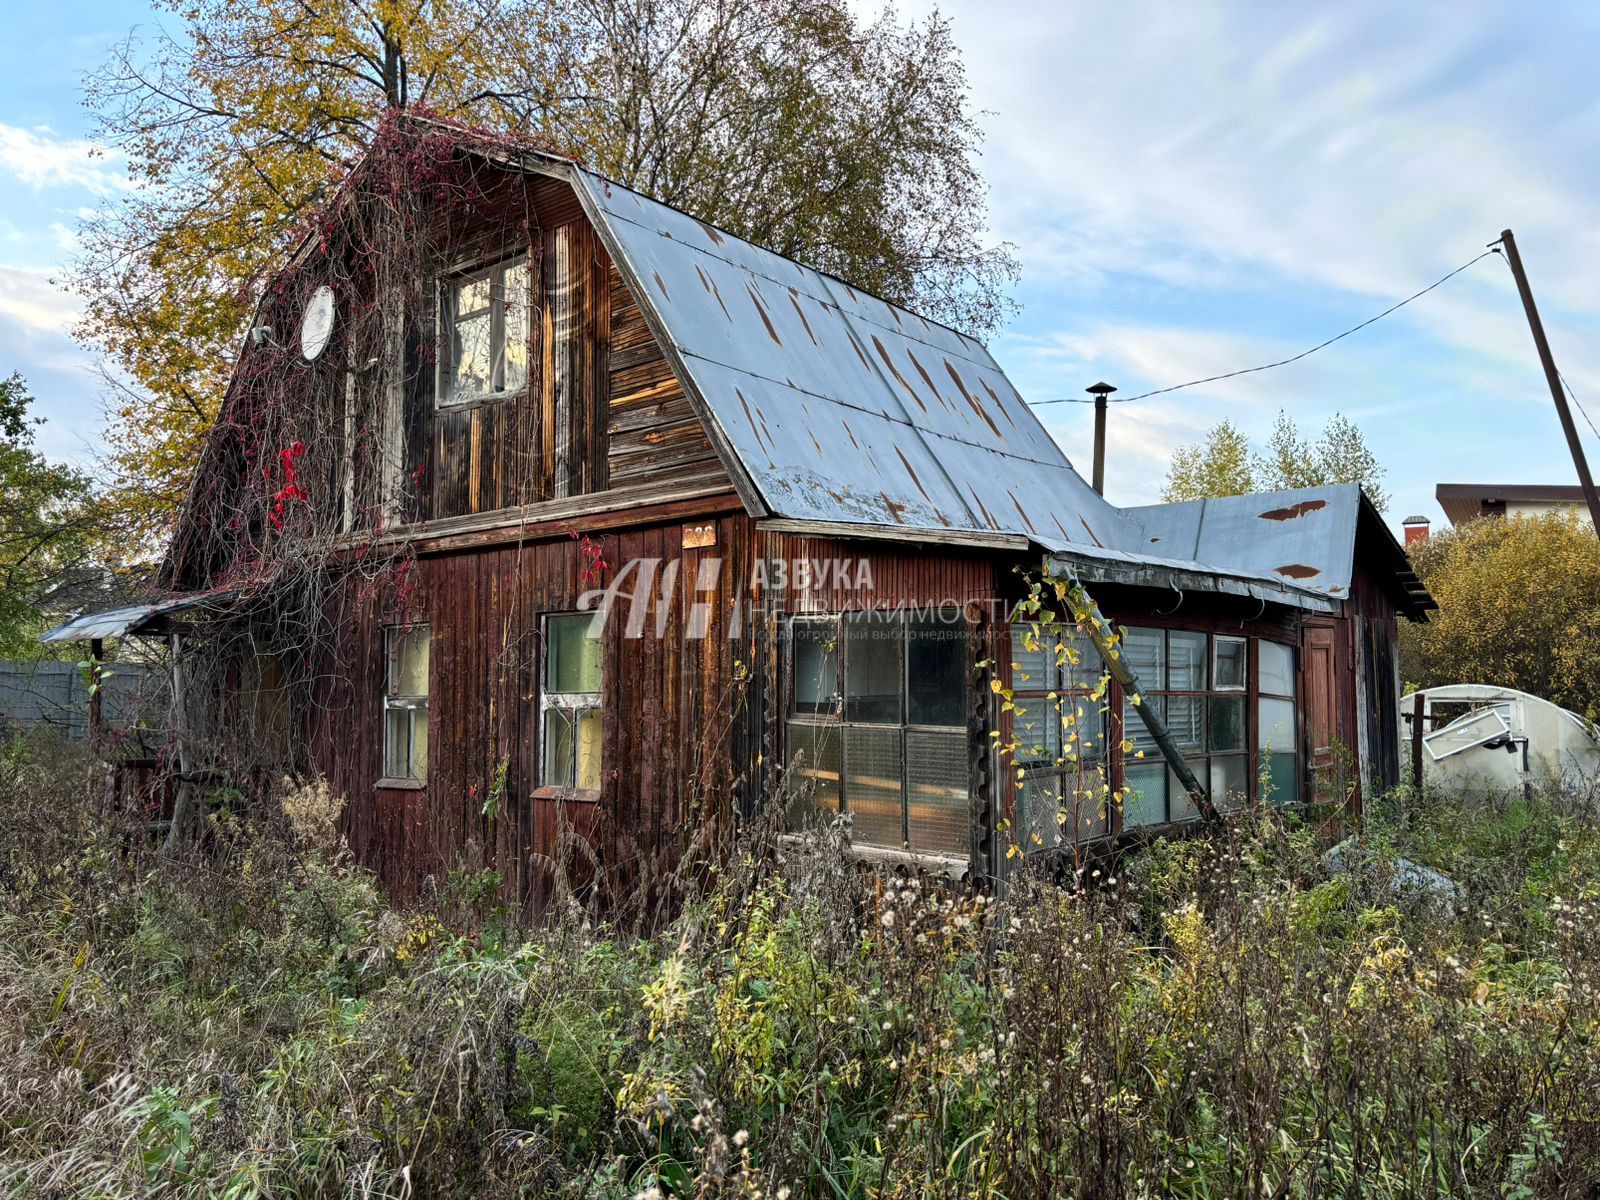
876	724
405	703
484	333
570	703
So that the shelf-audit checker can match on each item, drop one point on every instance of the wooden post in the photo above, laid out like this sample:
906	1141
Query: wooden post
97	651
180	714
1553	378
1417	707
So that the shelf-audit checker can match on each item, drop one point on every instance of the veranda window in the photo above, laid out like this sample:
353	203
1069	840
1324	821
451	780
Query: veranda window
1199	683
1060	731
405	703
483	344
570	703
1277	736
876	724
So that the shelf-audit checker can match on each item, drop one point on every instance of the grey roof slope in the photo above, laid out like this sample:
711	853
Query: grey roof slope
1306	537
840	406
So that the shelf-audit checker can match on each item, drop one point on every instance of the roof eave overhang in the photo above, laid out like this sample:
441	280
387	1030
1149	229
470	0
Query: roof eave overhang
1090	568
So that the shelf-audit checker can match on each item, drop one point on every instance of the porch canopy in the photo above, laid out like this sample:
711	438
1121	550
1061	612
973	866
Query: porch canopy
153	618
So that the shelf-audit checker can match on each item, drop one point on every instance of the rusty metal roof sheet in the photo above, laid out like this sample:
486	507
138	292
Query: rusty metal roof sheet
839	406
1305	537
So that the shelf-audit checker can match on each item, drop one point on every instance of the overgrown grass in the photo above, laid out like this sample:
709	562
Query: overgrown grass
1217	1018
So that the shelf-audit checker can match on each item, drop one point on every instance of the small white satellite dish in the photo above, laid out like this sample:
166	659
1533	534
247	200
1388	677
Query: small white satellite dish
316	326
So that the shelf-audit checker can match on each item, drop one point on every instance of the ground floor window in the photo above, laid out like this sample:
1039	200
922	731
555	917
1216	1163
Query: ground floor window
1201	684
875	724
570	703
1060	729
405	703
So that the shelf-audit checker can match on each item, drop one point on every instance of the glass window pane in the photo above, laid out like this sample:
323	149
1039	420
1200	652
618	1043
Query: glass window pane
588	766
408	661
1229	782
1186	671
1085	672
816	667
557	766
873	675
936	670
572	653
1084	805
1283	778
938	815
1134	728
1145	802
1038	804
1228	672
1038	733
1146	655
471	358
516	327
1226	730
396	743
1180	805
472	296
814	759
419	743
1186	721
1033	658
1277	668
872	784
1276	726
1083	728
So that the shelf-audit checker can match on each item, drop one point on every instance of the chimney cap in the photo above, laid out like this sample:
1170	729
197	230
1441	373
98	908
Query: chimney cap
1416	521
1100	389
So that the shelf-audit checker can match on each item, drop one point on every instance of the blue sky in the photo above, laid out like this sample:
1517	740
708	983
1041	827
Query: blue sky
1192	188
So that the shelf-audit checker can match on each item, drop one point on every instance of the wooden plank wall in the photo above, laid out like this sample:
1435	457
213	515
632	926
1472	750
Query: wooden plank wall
689	722
654	433
603	408
673	707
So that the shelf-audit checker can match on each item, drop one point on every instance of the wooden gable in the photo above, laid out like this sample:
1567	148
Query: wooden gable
603	410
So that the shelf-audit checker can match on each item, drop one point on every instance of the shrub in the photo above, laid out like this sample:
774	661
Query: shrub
1216	1017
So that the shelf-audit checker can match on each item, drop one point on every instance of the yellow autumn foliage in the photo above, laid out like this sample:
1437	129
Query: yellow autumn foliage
1519	606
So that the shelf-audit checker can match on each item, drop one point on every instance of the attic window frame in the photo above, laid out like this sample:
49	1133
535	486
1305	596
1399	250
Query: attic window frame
446	318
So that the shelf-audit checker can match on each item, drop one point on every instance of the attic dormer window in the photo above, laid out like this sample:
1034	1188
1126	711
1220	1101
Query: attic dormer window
483	344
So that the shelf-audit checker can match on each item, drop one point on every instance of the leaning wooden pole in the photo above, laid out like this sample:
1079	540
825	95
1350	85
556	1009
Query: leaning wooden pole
1098	630
1552	377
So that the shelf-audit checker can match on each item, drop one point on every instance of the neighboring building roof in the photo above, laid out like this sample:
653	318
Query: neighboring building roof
1464	501
1307	536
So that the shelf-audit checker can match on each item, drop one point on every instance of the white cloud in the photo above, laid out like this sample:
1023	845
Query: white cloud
41	158
29	297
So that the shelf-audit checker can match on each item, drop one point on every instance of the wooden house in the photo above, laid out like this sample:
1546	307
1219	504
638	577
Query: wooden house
560	517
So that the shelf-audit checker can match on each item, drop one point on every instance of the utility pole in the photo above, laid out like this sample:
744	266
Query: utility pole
1553	378
1100	391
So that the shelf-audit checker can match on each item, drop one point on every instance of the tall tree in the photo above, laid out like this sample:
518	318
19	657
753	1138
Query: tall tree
1224	465
791	122
1218	466
48	521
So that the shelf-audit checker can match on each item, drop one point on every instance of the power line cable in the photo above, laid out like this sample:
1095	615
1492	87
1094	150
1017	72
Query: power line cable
1578	404
1178	387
